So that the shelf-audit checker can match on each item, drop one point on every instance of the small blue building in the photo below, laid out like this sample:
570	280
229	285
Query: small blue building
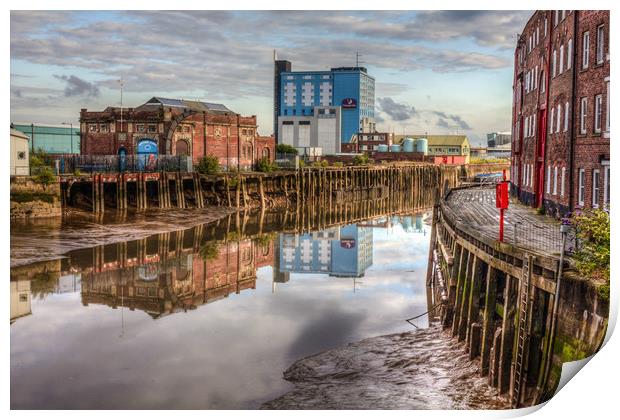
301	96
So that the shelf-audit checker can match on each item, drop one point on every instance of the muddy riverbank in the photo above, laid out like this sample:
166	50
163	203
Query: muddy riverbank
50	238
421	369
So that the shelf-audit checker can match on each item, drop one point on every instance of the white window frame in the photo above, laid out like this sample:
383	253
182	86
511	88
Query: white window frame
527	127
561	59
555	180
598	113
582	187
533	125
585	46
607	107
583	115
600	44
569	54
559	117
548	179
551	120
596	187
566	107
562	182
606	174
555	54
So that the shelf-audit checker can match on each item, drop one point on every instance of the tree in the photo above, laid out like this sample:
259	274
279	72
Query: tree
286	149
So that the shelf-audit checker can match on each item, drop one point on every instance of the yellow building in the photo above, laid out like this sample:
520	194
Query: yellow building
442	144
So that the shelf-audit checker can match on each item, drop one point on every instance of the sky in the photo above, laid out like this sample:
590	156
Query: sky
436	72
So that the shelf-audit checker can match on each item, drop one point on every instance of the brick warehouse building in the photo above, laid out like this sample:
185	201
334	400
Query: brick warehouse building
175	127
560	122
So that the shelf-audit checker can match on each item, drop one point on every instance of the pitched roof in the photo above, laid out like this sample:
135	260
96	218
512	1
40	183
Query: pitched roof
17	133
437	139
182	103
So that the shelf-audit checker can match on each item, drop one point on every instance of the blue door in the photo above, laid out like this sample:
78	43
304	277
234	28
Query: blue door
147	155
122	159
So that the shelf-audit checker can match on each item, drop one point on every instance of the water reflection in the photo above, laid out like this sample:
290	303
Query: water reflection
236	326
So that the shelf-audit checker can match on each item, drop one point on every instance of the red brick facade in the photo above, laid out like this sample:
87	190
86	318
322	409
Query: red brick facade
193	129
548	149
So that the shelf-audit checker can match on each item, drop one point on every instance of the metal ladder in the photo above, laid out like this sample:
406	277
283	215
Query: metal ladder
524	304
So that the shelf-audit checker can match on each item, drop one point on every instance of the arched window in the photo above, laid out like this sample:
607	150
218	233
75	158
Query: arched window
266	153
182	148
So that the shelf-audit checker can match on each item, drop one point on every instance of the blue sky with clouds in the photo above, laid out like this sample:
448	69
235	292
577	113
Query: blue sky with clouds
435	71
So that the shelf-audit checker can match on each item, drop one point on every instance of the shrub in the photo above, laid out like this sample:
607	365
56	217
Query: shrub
286	148
208	165
361	160
264	165
210	251
46	176
593	254
338	164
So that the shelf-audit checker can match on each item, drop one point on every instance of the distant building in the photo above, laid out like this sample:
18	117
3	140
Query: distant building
315	108
367	142
478	152
175	127
561	120
342	251
453	149
20	159
52	139
21	297
499	139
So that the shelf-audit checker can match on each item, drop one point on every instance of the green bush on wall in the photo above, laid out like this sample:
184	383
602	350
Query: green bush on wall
208	165
593	255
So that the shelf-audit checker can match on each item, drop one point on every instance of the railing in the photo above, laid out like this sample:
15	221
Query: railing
522	232
116	163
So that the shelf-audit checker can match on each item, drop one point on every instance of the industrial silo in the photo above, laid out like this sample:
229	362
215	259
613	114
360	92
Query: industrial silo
421	146
408	144
383	148
395	148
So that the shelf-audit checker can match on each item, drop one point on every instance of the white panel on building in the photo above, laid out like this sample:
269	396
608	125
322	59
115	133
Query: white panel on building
304	135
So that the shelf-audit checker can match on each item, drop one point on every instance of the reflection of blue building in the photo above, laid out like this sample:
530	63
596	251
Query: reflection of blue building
343	252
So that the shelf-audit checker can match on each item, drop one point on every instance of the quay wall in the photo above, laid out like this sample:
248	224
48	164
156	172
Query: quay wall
30	198
500	301
282	189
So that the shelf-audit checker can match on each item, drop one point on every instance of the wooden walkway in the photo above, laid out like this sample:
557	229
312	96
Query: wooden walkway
523	227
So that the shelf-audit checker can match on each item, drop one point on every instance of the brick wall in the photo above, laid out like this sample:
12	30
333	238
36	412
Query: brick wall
230	137
548	150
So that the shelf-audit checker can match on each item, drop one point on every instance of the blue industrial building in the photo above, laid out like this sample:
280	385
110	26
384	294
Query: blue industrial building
300	95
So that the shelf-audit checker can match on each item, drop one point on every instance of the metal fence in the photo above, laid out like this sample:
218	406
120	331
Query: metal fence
287	161
116	163
542	237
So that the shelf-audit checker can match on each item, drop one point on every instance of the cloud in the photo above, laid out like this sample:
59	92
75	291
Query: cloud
396	111
227	55
78	87
450	121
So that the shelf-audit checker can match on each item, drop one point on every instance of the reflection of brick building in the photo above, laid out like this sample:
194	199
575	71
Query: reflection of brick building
560	142
175	127
178	283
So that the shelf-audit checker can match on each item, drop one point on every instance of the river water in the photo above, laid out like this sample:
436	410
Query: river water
218	317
